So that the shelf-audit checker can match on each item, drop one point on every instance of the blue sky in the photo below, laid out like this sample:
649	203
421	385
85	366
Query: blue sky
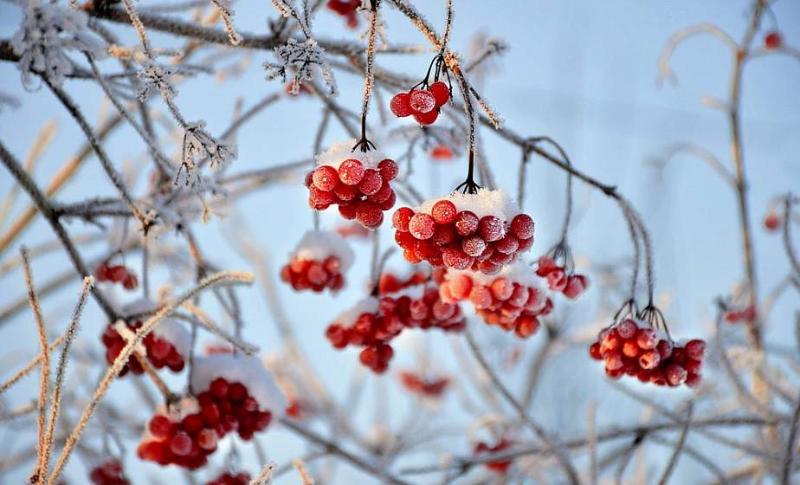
582	72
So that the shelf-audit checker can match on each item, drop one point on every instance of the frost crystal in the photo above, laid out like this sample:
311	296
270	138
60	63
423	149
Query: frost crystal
301	58
156	77
47	31
197	143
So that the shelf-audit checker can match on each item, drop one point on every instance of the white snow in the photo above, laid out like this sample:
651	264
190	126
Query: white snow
485	203
339	152
349	316
318	245
250	371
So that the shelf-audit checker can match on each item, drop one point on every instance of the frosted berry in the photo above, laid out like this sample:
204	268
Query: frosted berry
351	172
427	118
400	105
440	92
444	212
388	169
325	178
421	101
421	226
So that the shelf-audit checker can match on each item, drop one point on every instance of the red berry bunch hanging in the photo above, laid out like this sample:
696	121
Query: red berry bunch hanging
561	278
424	101
165	346
482	231
358	182
318	262
430	387
108	473
373	323
482	448
347	9
773	40
116	273
510	299
231	478
633	347
237	395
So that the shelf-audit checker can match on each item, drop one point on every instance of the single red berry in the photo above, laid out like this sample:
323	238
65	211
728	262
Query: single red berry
325	178
772	222
388	169
522	226
440	92
773	40
369	214
400	105
695	349
473	246
646	338
371	183
130	282
421	101
421	226
181	444
117	273
401	218
466	223
491	228
427	118
351	172
456	259
444	212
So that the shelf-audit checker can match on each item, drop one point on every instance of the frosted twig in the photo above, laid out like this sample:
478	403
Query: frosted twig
212	327
788	459
30	366
305	477
664	70
265	476
678	447
44	380
224	9
787	234
55	406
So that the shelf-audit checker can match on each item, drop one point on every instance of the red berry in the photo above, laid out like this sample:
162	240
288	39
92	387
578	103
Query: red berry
646	338
351	172
456	259
522	226
427	118
400	105
772	222
773	40
219	388
388	169
695	349
325	178
160	426
627	328
594	351
466	223
421	101
491	228
473	246
440	92
371	183
117	273
401	218
130	282
444	212
181	444
421	226
369	214
507	245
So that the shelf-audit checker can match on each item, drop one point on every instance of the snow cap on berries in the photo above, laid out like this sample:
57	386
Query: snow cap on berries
250	371
349	316
339	152
319	245
485	203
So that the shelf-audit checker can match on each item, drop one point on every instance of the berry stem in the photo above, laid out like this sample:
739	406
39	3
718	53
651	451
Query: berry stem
369	77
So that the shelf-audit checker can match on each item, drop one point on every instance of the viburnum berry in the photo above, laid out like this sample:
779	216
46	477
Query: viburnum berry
231	478
440	92
495	466
442	153
358	182
773	40
427	118
423	102
108	473
632	347
448	232
347	9
560	278
319	262
772	221
428	387
116	274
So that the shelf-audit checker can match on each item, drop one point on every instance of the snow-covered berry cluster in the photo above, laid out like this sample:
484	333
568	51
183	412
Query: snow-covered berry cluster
632	347
374	322
319	262
482	231
423	104
237	395
561	279
430	387
231	478
482	448
108	473
511	299
167	345
347	9
354	180
116	273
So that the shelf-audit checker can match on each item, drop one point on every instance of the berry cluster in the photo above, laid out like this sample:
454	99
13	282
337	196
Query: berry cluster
743	315
485	448
356	181
347	9
318	263
236	395
108	473
424	104
560	279
116	273
511	299
231	478
482	231
373	323
632	347
432	387
166	346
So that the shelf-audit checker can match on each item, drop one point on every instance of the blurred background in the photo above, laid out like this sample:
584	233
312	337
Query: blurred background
582	72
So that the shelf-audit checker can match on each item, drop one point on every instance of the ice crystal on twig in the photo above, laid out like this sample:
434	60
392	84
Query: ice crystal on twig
199	145
225	11
156	77
46	33
301	58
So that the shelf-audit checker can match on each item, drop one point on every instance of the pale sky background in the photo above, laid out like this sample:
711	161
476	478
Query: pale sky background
583	72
